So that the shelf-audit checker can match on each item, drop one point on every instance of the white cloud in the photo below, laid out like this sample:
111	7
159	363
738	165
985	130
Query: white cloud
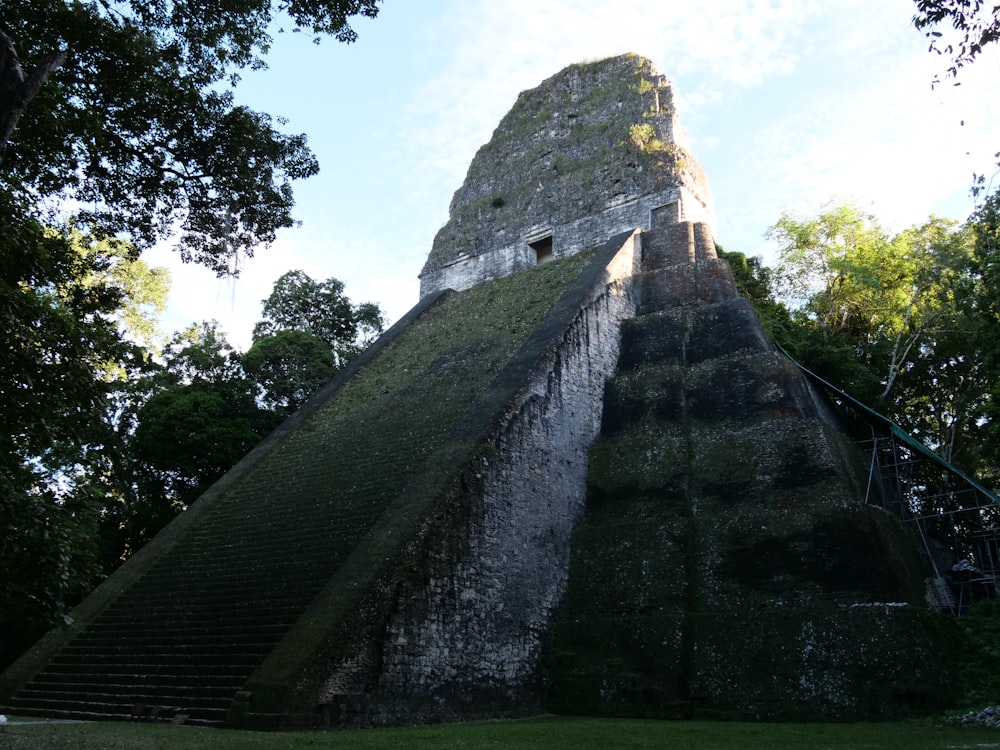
788	103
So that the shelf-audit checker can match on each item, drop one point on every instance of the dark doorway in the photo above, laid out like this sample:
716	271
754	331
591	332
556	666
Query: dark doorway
543	250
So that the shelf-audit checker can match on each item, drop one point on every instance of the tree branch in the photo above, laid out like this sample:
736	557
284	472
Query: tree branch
16	90
163	169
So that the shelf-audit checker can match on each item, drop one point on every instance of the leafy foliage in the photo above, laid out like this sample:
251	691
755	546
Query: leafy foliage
62	295
977	23
755	281
986	305
298	303
129	115
896	321
980	652
289	366
69	304
309	331
48	557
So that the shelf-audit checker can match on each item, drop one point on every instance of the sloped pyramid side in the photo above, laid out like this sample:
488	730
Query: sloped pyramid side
727	564
270	596
397	551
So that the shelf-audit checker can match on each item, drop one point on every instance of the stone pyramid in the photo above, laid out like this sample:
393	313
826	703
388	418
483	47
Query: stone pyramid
575	477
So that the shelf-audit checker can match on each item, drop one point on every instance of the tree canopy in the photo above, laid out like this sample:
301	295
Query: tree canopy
126	111
900	321
309	330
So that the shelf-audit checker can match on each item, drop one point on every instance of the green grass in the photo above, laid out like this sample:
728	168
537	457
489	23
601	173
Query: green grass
549	733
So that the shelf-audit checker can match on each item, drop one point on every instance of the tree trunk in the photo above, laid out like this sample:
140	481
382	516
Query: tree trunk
16	91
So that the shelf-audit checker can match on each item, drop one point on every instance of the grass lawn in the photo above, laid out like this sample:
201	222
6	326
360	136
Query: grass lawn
550	733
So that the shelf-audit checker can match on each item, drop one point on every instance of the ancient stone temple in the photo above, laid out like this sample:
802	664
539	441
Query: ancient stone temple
576	477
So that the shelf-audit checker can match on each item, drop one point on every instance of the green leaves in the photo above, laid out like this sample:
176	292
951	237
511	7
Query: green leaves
190	435
298	303
310	330
896	321
138	124
289	366
977	22
48	559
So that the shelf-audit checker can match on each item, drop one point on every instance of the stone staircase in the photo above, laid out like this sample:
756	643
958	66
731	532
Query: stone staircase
183	643
187	636
177	632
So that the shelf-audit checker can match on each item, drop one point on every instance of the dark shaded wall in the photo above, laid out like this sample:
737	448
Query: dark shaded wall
727	565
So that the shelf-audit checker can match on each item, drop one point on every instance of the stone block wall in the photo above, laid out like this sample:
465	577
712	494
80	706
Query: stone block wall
726	565
468	641
515	254
589	153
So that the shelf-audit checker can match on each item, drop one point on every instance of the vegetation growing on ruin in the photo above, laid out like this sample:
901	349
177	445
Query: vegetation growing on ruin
392	419
716	506
561	153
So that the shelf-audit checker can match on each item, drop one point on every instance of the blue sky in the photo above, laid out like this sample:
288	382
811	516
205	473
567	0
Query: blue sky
788	104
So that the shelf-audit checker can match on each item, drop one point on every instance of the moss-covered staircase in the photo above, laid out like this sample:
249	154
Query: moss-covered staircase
300	547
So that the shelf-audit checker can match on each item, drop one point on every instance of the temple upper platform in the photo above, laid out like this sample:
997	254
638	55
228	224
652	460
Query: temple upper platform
595	150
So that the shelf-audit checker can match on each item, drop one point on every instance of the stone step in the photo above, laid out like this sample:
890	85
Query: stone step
85	711
173	616
211	682
167	692
101	642
128	697
152	636
302	574
708	282
148	668
691	335
204	608
183	647
138	659
264	595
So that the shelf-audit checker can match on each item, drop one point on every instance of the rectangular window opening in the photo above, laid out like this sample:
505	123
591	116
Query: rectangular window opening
543	250
662	216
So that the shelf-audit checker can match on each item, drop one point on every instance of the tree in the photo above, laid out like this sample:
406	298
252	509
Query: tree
69	304
310	330
985	223
829	274
755	281
127	110
72	306
48	559
893	320
977	22
298	303
289	366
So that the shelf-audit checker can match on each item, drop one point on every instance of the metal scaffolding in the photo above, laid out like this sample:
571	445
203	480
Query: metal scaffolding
955	518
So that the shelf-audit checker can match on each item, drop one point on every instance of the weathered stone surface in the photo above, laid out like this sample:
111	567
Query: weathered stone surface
595	150
467	642
401	549
726	565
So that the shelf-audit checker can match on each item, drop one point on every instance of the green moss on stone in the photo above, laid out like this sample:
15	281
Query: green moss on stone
559	155
726	566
